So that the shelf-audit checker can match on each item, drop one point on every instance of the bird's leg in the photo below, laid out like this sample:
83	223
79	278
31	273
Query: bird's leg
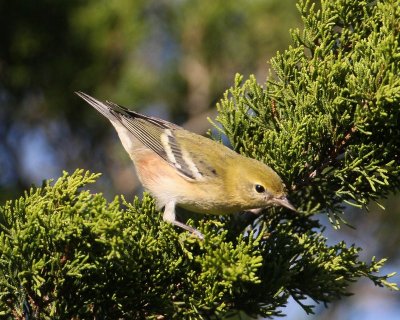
169	216
255	211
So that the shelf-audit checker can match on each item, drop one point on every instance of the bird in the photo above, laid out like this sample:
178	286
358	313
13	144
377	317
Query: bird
180	168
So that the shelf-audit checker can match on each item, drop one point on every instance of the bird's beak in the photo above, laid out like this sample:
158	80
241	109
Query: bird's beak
284	202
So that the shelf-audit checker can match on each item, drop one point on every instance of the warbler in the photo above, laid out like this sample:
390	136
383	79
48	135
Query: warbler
181	168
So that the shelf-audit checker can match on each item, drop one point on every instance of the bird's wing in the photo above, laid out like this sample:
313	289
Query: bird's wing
156	134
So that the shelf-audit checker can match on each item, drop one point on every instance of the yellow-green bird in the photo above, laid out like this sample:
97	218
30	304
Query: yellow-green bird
181	168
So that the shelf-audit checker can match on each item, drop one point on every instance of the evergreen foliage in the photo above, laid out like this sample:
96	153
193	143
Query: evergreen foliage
328	118
326	121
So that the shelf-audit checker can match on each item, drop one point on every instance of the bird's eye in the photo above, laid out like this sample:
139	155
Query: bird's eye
259	188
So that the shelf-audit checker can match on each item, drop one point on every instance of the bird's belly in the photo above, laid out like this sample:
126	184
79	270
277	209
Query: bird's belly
166	185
